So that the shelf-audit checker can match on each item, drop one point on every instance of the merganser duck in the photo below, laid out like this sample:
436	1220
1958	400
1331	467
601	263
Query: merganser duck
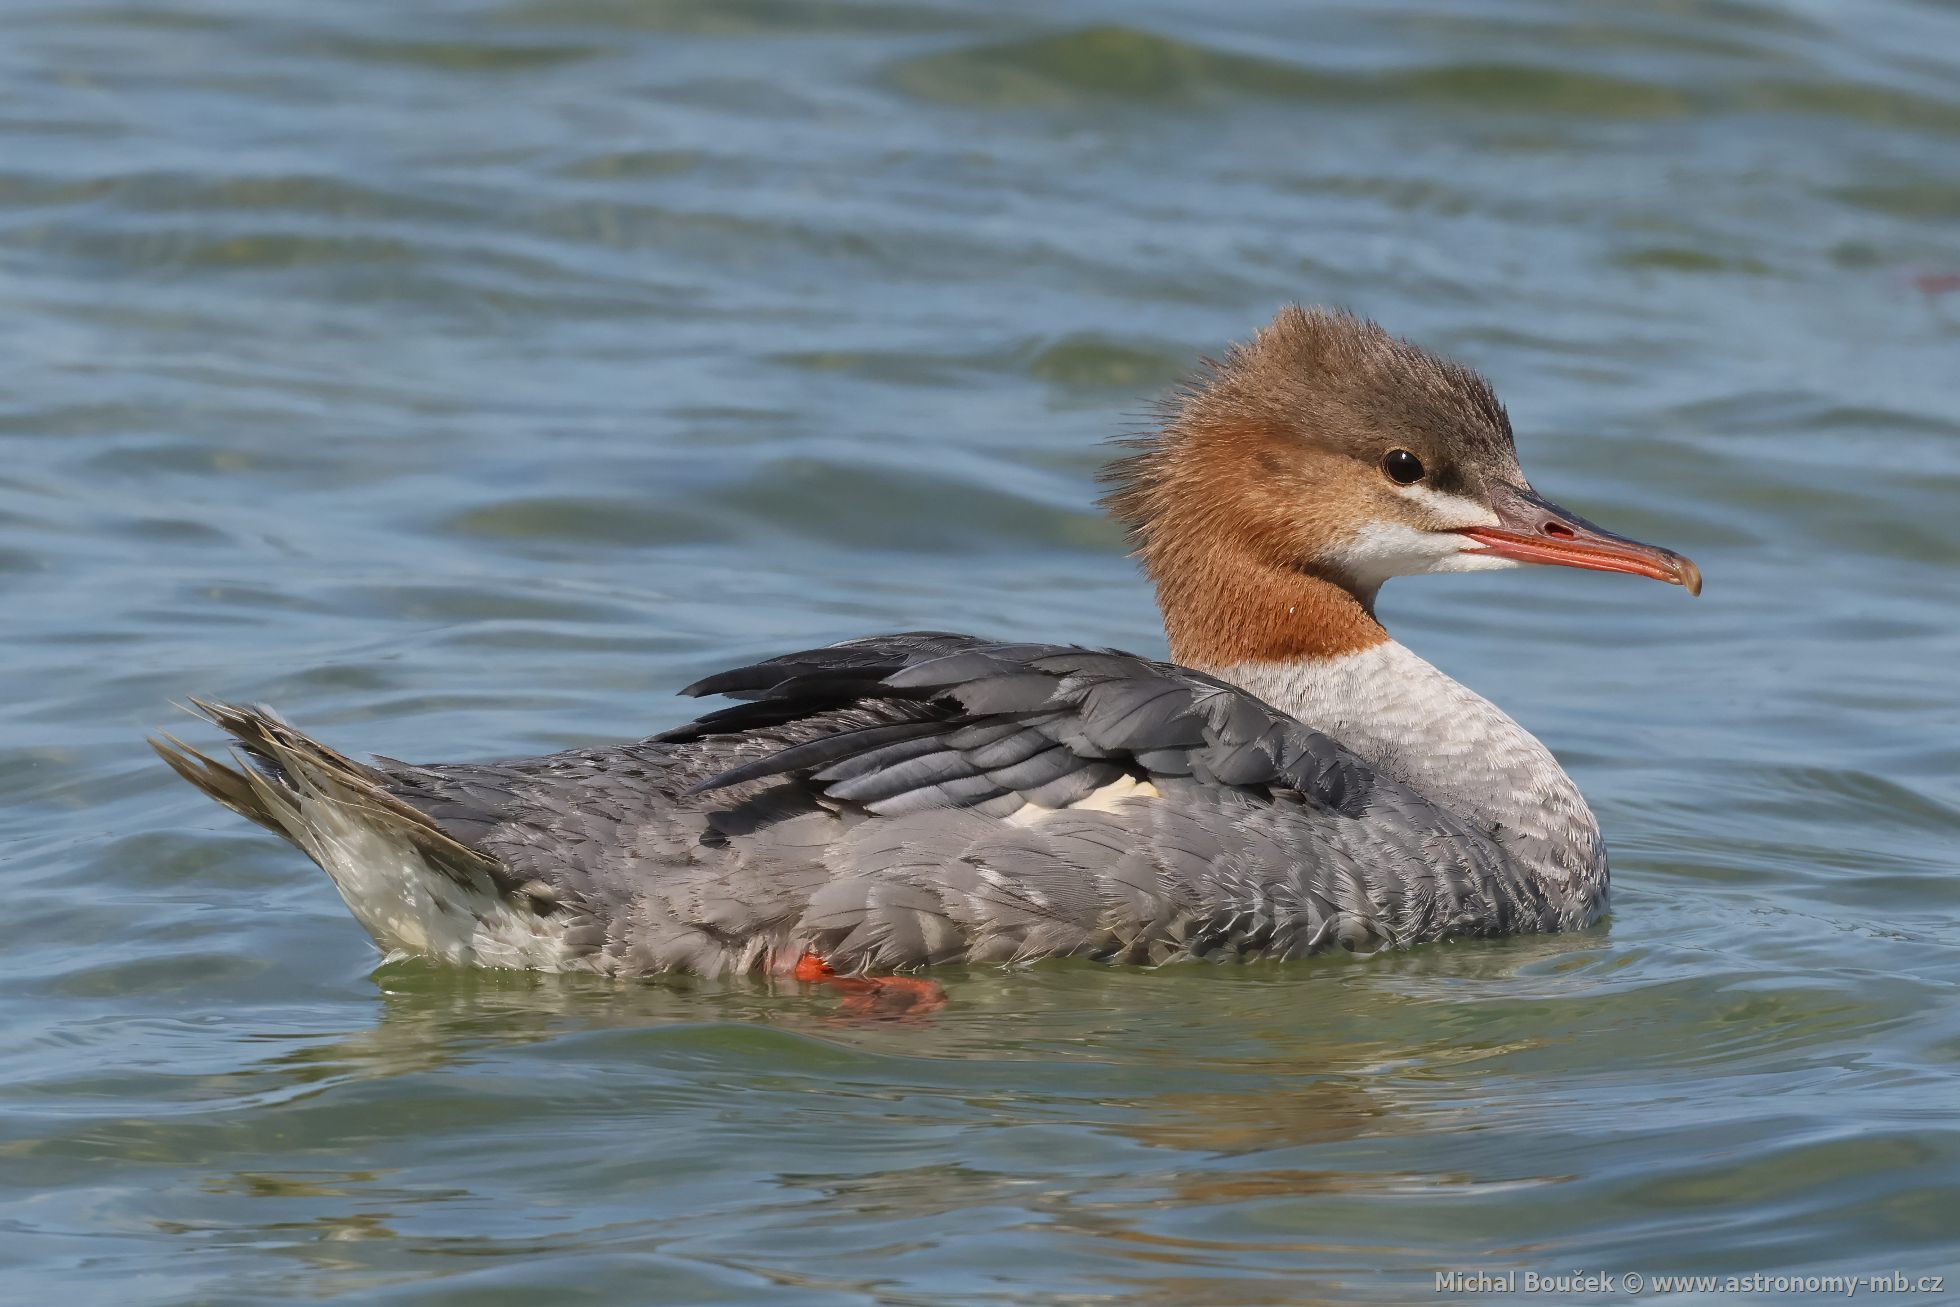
1293	781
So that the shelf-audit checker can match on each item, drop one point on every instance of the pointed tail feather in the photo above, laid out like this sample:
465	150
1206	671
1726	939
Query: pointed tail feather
415	887
285	766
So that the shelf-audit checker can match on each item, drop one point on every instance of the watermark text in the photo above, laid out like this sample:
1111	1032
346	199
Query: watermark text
1567	1283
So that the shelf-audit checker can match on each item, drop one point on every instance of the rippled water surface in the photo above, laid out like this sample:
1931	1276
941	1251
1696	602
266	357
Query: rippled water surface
463	377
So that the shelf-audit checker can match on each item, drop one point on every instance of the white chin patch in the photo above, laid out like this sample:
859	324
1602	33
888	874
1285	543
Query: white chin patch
1474	560
1380	550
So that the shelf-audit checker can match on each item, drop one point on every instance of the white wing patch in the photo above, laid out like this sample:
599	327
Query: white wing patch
1106	799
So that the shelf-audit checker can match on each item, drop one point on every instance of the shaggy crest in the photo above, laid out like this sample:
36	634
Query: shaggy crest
1313	378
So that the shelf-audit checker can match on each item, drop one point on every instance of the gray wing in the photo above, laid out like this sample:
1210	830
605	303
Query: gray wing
994	727
1264	836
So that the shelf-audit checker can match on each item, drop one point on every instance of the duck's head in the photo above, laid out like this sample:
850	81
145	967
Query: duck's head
1326	454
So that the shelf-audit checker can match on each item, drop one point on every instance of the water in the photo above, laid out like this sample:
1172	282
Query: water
463	377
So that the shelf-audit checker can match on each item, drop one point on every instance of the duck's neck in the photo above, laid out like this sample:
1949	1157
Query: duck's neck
1315	651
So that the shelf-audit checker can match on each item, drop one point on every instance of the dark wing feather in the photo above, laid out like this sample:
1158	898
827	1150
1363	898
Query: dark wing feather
970	723
871	659
815	754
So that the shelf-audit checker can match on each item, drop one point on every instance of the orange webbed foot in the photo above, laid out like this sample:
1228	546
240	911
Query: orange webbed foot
811	969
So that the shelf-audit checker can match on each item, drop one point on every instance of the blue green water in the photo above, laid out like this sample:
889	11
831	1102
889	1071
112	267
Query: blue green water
463	377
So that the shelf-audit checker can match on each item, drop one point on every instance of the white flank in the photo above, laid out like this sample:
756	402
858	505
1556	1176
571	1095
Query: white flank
411	908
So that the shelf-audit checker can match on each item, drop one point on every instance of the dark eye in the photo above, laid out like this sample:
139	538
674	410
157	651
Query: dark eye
1403	468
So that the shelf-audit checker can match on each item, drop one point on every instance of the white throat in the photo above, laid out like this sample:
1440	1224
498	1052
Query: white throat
1449	744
